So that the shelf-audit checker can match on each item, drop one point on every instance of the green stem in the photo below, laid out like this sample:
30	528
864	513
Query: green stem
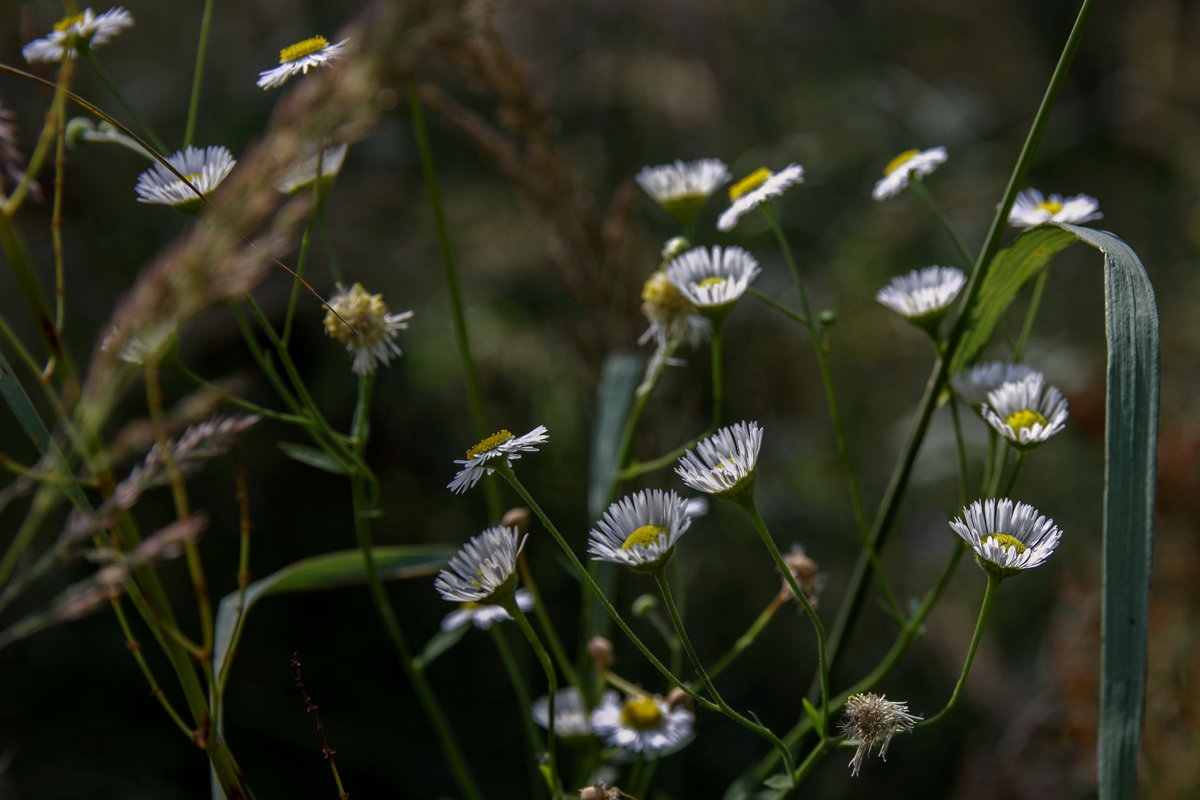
746	639
547	626
985	608
198	73
1035	303
922	191
664	587
780	307
718	388
335	269
964	475
301	263
552	690
523	702
107	80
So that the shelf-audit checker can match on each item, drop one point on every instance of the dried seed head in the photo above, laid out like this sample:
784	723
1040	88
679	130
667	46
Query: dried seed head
600	650
516	518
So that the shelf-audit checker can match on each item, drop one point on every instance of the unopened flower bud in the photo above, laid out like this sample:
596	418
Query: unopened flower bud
600	650
599	792
678	697
644	604
516	518
674	247
827	317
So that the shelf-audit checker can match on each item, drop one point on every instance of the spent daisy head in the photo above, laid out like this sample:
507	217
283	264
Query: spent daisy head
1007	537
484	571
723	465
683	188
1027	412
870	721
973	386
76	32
328	162
1032	208
900	170
640	530
713	280
482	616
363	323
204	168
500	445
642	724
299	58
808	576
755	189
924	295
571	717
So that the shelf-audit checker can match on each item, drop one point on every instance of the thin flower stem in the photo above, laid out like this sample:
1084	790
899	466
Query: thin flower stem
985	609
60	163
718	388
964	474
513	670
1035	304
664	587
335	269
243	577
135	649
189	129
504	470
544	622
1012	475
30	286
107	80
780	307
748	638
232	399
922	191
461	336
543	658
301	264
751	508
41	150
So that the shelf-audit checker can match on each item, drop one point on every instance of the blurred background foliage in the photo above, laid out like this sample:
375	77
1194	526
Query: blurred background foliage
553	245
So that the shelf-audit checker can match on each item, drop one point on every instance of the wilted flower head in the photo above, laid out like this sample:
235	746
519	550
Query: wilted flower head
924	295
363	323
871	721
713	280
1007	537
642	724
501	444
482	616
899	170
571	718
682	188
75	32
756	188
640	530
484	571
1032	208
204	169
723	465
1027	412
328	161
974	385
299	58
807	573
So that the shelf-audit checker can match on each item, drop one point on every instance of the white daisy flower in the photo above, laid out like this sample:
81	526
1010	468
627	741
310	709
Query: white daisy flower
683	188
370	335
871	721
640	530
1031	208
501	444
204	169
723	465
973	386
571	717
302	176
644	724
756	188
924	295
75	32
484	570
712	280
481	616
1007	537
899	170
300	58
1026	412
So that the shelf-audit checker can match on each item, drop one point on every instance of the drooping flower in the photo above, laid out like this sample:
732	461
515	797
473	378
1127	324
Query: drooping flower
1007	537
299	58
571	717
973	386
363	323
640	530
723	465
501	444
642	724
871	721
713	280
1027	412
923	296
76	32
484	571
683	188
755	189
900	169
1032	208
482	616
204	169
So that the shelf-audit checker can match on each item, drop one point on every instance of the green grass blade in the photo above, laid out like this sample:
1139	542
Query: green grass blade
618	378
1131	444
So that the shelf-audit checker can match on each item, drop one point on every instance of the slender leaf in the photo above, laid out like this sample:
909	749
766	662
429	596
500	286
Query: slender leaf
618	378
313	457
1131	445
439	643
18	402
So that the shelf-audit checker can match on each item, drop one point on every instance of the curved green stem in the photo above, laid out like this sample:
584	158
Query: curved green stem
922	191
107	80
780	307
198	73
985	608
301	264
543	658
1035	303
746	639
964	474
522	693
718	383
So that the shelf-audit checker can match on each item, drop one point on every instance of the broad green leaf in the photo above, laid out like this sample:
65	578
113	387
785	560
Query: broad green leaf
1131	444
618	379
313	457
1010	270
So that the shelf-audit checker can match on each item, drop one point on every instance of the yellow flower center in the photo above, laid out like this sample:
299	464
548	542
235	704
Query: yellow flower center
490	443
899	161
469	606
366	313
195	176
1050	206
299	50
1004	540
662	301
749	183
644	536
713	281
66	22
641	713
1023	419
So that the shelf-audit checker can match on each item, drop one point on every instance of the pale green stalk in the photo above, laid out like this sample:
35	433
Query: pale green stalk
1035	304
189	129
543	658
524	704
922	191
985	609
301	262
144	129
